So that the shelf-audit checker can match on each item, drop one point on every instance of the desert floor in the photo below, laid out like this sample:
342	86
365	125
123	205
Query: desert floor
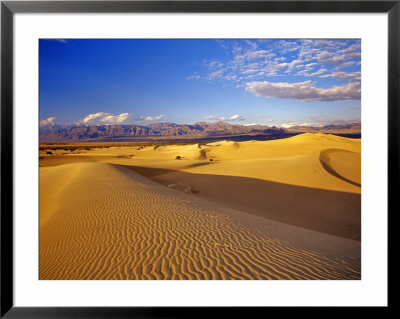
280	209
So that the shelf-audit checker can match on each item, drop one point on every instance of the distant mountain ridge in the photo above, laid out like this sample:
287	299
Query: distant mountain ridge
353	128
72	133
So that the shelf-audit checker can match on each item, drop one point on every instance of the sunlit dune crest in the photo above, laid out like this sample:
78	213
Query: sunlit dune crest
281	209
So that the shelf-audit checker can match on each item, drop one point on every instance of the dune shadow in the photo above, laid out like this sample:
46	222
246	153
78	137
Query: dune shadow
195	165
332	212
325	162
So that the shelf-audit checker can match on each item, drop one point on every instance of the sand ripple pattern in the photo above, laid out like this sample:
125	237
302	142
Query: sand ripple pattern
114	224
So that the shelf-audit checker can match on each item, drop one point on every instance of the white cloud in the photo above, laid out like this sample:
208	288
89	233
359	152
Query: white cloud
193	77
215	64
234	117
154	118
249	71
292	64
320	121
342	75
105	118
304	91
246	61
345	64
230	77
353	48
324	55
48	122
93	116
311	65
334	57
216	74
115	118
307	124
316	73
287	125
252	55
320	71
291	124
281	65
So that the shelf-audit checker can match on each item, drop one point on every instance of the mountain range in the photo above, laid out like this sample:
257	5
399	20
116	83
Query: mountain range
172	131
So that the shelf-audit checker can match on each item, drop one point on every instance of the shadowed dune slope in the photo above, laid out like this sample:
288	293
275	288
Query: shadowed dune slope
342	164
111	223
331	212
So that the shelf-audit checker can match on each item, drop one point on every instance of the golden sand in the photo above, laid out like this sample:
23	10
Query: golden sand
282	209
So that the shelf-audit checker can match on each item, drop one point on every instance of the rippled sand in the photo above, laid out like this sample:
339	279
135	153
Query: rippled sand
100	219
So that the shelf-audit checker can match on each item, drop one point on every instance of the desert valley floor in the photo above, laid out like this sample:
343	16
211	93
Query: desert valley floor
279	209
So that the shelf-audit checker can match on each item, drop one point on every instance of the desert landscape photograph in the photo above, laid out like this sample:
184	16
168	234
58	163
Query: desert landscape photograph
199	159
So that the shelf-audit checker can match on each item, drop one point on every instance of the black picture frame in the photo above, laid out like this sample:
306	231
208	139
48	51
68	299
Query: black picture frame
9	8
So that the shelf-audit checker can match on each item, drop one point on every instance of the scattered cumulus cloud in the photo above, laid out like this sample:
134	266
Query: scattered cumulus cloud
314	121
154	118
232	118
115	119
321	121
343	75
287	125
193	77
148	119
304	91
309	124
235	117
332	64
250	124
93	116
48	122
105	118
319	72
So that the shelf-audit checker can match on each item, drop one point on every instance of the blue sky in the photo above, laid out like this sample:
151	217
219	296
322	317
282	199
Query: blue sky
271	82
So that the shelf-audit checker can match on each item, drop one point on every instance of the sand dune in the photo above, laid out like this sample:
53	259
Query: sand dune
331	212
342	164
102	221
281	209
294	161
